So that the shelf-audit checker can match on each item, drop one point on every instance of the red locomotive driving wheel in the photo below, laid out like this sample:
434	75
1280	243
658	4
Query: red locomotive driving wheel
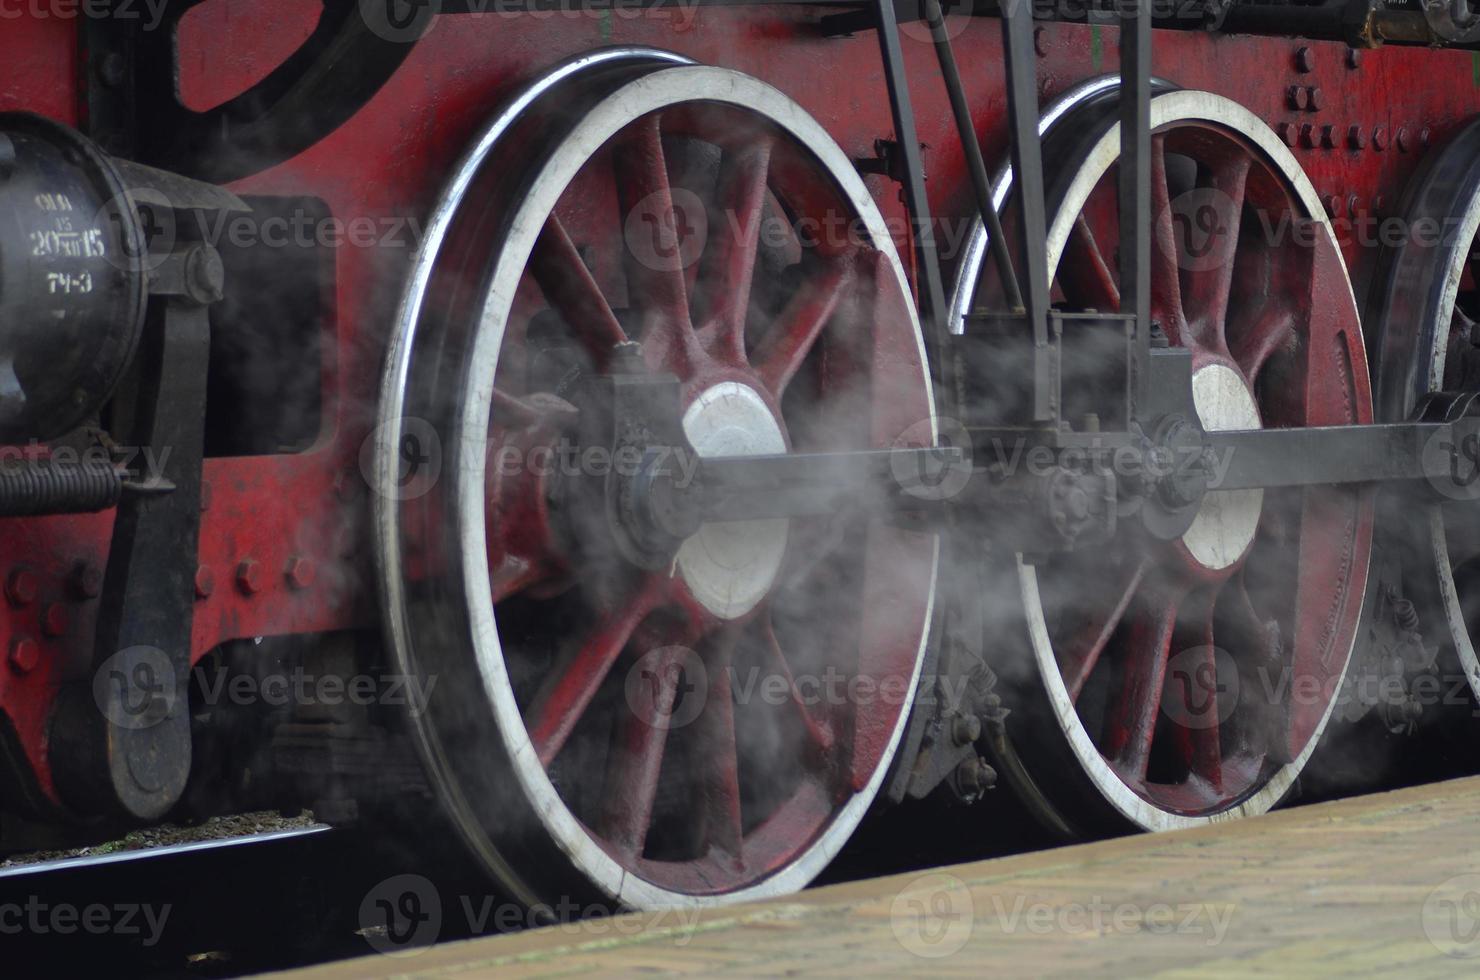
681	730
1186	680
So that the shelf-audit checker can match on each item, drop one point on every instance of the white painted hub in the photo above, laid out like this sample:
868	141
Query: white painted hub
1225	523
729	567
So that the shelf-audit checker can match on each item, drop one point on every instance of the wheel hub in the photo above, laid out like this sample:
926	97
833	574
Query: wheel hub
1227	519
730	567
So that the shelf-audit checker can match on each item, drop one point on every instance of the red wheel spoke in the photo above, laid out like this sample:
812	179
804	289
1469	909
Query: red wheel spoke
1329	579
511	411
730	253
1193	684
1208	279
716	756
569	288
637	756
1084	273
1078	657
896	562
513	575
1461	329
1272	330
1132	722
1461	366
799	324
656	275
577	674
819	733
1329	398
1257	644
1166	272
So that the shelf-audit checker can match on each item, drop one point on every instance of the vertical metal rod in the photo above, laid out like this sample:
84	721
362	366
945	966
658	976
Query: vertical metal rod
932	301
1027	165
975	166
1135	187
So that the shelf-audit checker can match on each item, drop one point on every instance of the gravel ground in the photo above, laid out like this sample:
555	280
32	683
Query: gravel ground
216	828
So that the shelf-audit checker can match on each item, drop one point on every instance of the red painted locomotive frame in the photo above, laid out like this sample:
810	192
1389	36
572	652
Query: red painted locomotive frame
284	545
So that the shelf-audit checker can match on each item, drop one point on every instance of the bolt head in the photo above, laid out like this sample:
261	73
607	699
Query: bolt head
301	573
1287	133
20	587
1305	60
1401	138
1307	136
54	619
1328	137
346	487
966	729
205	582
974	777
112	69
205	275
1297	96
249	577
1316	99
24	654
1357	137
87	581
1379	138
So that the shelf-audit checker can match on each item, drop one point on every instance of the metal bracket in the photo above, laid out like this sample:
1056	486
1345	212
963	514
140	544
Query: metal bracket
932	297
133	719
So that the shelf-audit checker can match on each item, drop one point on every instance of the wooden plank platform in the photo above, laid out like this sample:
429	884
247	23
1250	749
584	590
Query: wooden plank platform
1384	884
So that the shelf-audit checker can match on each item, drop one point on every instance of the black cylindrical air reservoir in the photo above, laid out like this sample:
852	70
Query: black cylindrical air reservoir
72	280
